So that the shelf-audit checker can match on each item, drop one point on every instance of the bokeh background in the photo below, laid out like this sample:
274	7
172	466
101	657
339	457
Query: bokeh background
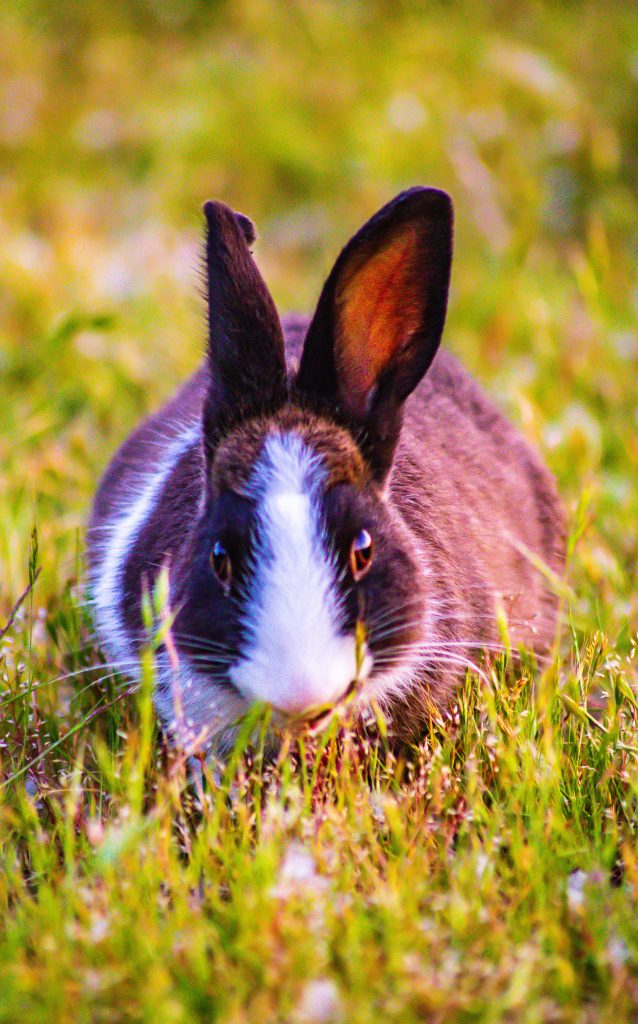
117	120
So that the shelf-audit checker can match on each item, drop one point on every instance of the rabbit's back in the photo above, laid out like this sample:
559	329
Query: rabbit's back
479	497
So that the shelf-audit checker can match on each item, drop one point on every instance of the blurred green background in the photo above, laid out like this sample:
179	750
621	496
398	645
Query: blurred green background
118	120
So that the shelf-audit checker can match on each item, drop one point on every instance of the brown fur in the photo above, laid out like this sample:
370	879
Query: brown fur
237	454
469	484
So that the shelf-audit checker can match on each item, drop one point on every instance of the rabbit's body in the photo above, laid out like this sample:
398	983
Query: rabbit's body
461	510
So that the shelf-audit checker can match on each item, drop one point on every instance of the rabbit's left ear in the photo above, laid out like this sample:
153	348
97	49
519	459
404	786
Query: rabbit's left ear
246	362
380	318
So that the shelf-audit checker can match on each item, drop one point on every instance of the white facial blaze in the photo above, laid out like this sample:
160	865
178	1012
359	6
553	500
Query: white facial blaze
297	658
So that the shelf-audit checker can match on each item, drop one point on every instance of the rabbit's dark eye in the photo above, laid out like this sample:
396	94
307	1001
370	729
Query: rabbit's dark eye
222	565
361	551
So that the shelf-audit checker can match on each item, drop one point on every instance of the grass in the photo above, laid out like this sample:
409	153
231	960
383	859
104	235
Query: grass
490	874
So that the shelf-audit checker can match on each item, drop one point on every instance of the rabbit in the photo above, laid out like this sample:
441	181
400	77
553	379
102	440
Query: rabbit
344	516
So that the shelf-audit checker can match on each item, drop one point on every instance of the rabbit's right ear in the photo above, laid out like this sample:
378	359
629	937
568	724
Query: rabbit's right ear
379	320
245	342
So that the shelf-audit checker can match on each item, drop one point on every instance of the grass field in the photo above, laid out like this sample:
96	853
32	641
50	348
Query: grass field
491	874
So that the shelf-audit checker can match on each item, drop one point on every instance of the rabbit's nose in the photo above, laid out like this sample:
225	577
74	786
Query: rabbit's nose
297	686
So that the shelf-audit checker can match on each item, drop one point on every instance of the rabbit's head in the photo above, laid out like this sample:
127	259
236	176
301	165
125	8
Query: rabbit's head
301	580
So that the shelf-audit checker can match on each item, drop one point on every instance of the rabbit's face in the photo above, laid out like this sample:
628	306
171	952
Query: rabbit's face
305	585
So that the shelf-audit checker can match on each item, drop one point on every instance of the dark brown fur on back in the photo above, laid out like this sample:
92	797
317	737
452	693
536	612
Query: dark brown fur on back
467	483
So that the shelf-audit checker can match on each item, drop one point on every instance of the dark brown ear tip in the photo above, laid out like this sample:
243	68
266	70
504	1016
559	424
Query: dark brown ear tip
441	201
214	210
217	212
431	201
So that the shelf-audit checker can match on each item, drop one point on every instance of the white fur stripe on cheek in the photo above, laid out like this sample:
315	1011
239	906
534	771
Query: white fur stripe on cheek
297	658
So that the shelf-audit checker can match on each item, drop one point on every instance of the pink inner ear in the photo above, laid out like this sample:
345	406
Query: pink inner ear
380	304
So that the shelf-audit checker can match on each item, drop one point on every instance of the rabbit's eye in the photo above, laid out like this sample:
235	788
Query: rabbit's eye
361	551
222	565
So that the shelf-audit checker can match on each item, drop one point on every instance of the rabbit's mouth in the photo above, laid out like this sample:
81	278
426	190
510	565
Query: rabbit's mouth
317	719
